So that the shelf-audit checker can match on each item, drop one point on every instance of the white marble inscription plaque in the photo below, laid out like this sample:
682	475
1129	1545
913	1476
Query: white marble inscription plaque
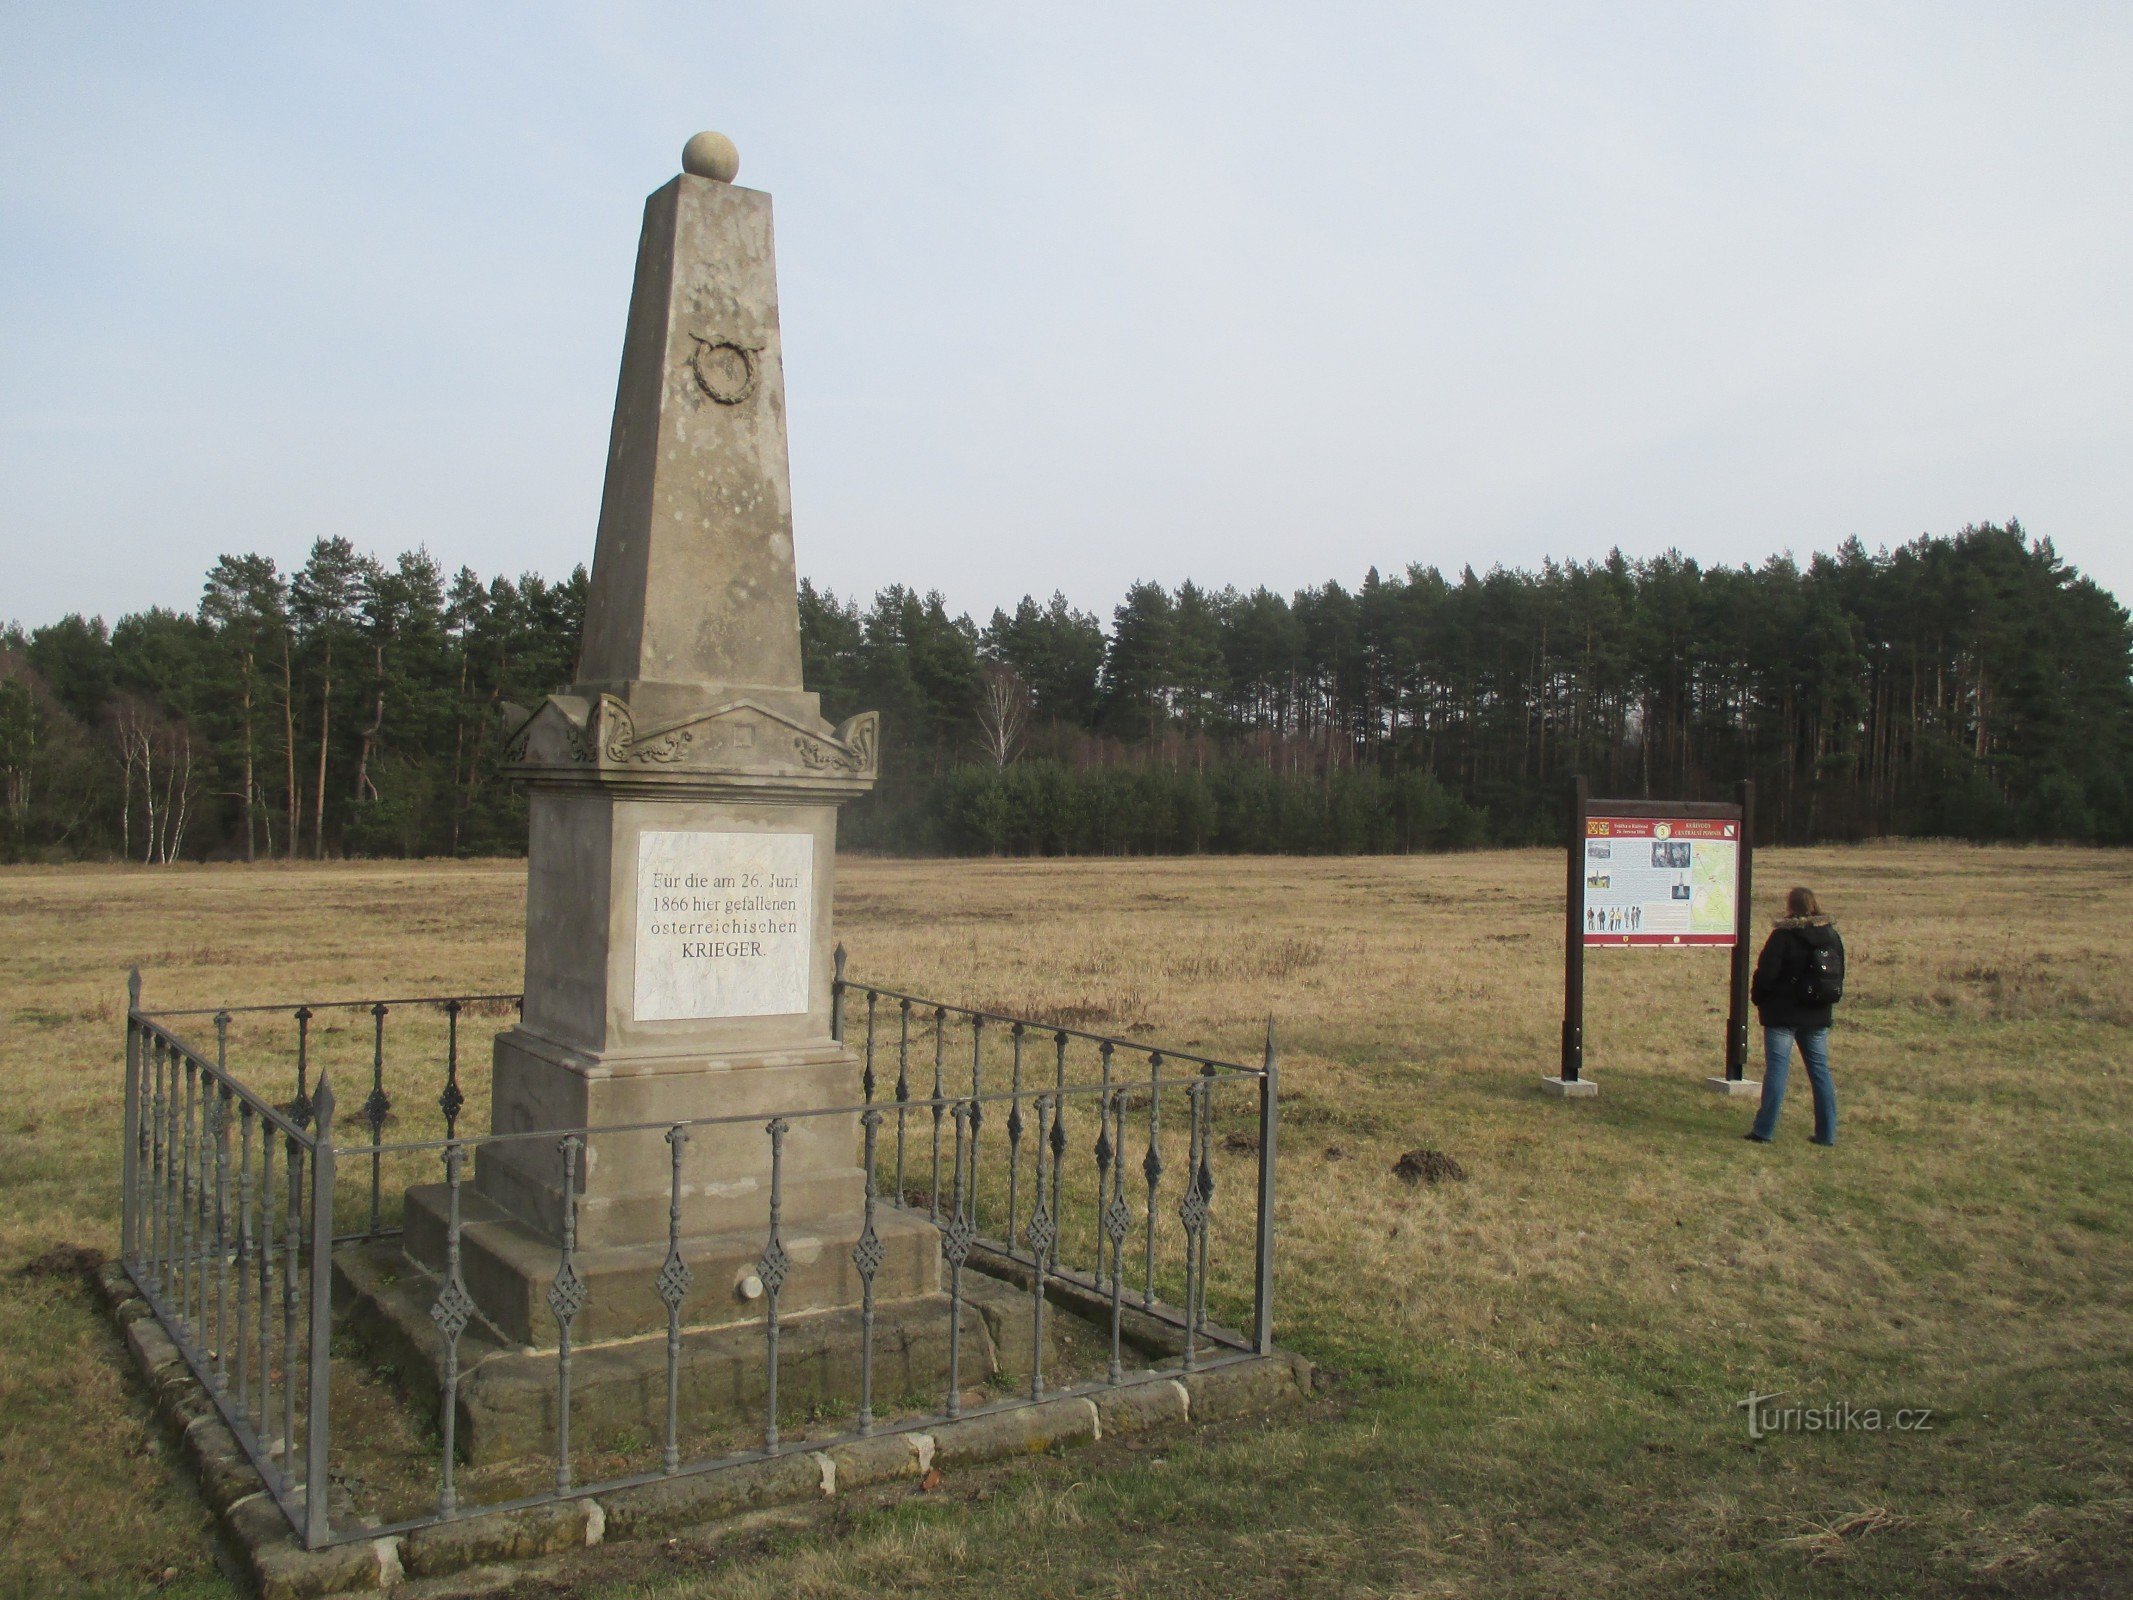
725	924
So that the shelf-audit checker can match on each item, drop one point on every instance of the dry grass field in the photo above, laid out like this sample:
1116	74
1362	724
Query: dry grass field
1535	1373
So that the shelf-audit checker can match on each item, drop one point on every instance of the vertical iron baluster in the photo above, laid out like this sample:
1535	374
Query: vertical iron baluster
244	1256
1118	1220
566	1297
189	1195
130	1140
903	1088
173	1195
940	1105
375	1107
453	1100
319	1340
1263	1281
837	993
955	1246
1014	1132
157	1162
1058	1135
1192	1211
266	1274
867	1257
291	1254
1189	1212
1104	1152
866	1078
674	1281
219	1121
1204	1181
221	1125
1152	1164
977	1106
203	1206
771	1271
453	1310
300	1107
1041	1237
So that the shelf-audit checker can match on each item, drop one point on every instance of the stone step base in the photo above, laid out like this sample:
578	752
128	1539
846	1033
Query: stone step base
508	1268
507	1393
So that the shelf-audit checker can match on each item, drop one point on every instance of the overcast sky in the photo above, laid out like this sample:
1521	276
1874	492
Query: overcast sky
1075	295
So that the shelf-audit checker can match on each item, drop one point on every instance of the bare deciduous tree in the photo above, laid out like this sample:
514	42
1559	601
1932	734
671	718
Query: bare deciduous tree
156	757
1003	711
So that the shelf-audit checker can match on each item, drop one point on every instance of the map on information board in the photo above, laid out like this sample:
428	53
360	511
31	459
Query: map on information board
1651	880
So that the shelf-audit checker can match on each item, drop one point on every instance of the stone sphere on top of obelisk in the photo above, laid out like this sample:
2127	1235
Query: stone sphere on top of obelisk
711	155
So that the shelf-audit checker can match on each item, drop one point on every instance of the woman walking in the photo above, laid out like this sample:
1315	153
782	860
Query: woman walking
1799	976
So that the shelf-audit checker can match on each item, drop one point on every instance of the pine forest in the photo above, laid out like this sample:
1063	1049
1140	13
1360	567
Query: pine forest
1969	686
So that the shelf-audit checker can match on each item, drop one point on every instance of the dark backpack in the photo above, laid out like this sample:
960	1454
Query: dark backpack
1822	981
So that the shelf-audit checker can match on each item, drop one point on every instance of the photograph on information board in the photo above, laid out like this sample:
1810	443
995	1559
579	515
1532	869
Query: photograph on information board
1656	881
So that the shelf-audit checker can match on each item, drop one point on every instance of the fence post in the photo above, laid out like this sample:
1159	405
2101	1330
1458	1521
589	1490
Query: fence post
317	1529
1269	1120
129	1165
1739	974
837	998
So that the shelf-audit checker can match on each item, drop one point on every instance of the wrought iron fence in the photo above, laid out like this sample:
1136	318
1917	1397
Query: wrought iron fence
1106	1187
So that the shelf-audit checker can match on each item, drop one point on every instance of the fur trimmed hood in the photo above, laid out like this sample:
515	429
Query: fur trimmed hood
1817	932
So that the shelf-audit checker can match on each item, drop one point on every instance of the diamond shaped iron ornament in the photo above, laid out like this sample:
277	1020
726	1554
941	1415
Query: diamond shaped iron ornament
1118	1220
566	1296
1152	1166
956	1240
375	1107
451	1102
674	1281
773	1267
453	1310
1042	1234
1192	1210
867	1254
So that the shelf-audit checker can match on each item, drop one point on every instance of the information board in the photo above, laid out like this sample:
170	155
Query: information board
1652	880
725	924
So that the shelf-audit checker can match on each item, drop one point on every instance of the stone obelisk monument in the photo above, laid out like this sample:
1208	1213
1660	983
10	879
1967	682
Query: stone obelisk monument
684	796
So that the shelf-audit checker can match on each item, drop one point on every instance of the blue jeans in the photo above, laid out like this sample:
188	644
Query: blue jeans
1777	1064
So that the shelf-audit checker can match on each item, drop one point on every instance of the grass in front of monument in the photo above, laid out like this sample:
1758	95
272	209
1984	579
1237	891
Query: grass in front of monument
1538	1368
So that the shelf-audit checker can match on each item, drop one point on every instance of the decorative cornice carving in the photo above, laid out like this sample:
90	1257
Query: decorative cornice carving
738	737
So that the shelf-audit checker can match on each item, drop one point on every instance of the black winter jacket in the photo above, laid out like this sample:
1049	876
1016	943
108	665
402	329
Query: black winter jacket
1783	963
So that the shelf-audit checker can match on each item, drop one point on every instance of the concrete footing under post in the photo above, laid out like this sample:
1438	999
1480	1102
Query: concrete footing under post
1570	1088
1736	1088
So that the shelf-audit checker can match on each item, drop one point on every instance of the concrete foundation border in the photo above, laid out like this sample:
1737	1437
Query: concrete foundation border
496	1542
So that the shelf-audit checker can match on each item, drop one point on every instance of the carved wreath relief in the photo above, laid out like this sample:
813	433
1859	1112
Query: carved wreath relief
726	370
